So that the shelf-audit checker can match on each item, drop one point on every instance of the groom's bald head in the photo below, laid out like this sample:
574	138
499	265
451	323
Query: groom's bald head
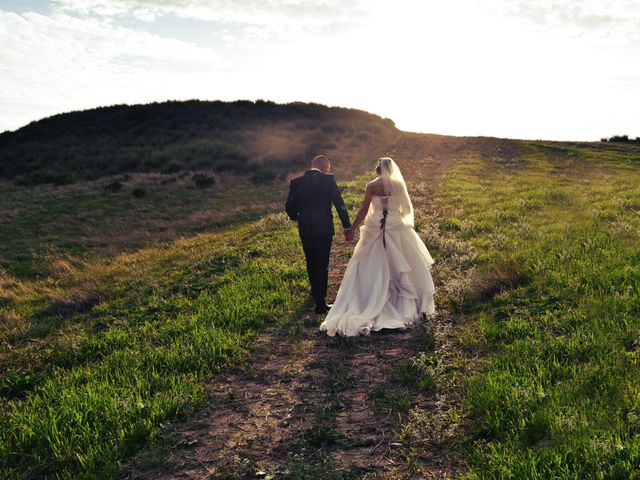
321	162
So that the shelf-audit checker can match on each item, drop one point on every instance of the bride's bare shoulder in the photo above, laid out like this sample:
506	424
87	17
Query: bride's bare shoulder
375	186
375	182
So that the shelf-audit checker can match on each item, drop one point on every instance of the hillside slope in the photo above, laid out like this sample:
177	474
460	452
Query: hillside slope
260	139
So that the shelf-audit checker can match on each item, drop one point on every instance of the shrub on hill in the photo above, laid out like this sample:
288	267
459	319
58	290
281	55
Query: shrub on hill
113	187
621	139
202	181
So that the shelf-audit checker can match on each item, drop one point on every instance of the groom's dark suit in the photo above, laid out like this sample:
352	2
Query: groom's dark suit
309	203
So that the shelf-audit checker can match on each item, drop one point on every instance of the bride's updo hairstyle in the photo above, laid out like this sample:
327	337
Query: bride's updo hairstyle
383	162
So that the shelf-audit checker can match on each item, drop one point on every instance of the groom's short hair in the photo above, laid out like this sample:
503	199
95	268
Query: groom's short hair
319	161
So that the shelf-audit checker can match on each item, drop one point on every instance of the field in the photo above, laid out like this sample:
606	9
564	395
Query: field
44	223
117	336
553	310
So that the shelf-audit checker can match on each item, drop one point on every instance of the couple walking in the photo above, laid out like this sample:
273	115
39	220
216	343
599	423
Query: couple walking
387	283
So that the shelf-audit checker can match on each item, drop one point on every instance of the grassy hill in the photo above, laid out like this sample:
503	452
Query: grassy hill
109	334
262	140
115	179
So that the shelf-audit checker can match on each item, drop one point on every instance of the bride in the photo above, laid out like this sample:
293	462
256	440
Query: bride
388	281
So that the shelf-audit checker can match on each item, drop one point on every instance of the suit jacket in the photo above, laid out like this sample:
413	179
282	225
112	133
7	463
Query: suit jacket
309	203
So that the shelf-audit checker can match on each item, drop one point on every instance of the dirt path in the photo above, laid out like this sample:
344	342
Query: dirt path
316	397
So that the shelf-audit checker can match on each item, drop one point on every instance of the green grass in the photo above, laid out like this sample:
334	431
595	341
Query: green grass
101	348
44	223
554	312
537	259
85	391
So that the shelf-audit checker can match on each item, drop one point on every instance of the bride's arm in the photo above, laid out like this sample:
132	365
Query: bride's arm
363	210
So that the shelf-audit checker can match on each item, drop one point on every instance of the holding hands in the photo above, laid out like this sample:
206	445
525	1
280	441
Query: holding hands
349	234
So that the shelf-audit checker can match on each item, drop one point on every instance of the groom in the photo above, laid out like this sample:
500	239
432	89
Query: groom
309	204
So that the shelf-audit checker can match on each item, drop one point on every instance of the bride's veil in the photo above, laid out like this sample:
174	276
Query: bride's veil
394	185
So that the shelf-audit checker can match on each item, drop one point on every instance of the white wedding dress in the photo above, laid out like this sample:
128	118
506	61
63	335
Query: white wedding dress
387	283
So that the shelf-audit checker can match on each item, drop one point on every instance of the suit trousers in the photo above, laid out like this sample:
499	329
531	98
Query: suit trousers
316	251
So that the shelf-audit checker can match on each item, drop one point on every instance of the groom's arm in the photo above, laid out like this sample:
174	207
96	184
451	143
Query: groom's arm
336	198
291	207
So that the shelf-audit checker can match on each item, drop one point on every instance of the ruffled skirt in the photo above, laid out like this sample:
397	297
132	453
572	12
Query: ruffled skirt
387	283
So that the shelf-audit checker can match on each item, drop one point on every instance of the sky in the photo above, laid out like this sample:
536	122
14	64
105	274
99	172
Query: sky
535	69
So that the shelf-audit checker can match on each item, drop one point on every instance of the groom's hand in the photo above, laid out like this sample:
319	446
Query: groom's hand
346	232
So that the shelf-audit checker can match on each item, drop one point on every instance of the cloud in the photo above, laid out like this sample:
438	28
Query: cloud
616	22
61	38
145	14
273	14
62	61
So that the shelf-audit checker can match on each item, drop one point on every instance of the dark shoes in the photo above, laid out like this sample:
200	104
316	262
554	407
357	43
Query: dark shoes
322	308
